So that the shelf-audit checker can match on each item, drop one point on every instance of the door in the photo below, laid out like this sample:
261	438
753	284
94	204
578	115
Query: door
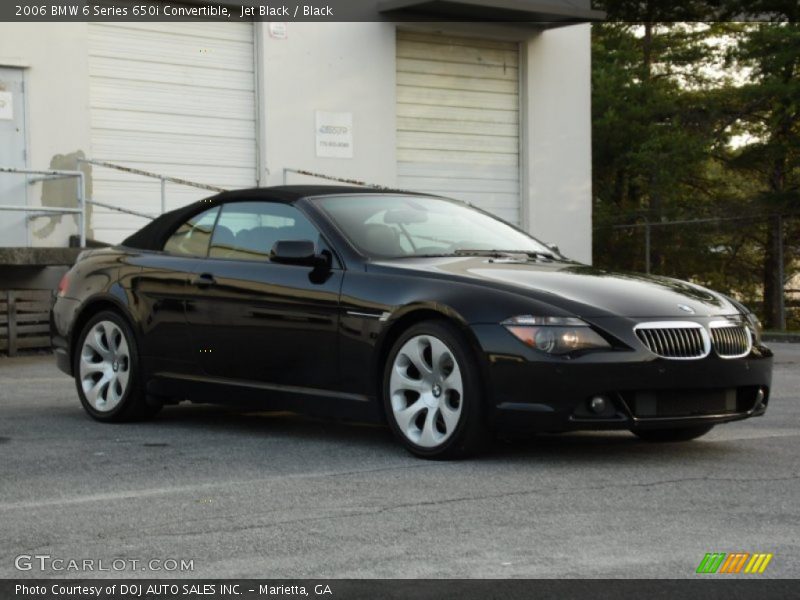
458	119
254	320
175	99
159	288
13	189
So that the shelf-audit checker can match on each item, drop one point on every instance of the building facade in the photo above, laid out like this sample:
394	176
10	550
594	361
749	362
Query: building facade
497	115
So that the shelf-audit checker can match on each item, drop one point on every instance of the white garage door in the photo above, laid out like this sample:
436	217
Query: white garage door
175	99
458	119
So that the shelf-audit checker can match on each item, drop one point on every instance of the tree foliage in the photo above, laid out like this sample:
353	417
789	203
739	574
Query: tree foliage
699	121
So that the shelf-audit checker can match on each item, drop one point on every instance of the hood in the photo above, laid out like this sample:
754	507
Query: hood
583	290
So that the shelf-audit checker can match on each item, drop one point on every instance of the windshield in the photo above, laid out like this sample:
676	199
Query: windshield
386	226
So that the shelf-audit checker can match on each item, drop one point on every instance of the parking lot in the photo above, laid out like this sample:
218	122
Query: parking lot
259	495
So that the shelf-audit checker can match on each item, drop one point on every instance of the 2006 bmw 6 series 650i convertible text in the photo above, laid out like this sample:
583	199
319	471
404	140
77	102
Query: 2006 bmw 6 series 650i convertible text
416	310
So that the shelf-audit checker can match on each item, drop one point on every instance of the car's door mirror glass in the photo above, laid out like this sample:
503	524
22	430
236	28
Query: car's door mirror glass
294	252
302	252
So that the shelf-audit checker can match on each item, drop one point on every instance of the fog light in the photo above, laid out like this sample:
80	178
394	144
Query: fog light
759	396
598	404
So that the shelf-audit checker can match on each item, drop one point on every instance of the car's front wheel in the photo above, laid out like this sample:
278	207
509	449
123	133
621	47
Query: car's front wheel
107	371
432	392
681	434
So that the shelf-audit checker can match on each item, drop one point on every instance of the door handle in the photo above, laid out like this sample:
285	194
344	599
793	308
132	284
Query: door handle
203	280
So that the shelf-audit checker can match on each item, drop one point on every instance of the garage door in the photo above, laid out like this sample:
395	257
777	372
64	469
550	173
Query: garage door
458	119
177	100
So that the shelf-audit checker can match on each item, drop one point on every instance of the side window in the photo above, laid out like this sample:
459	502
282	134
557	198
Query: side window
248	230
192	238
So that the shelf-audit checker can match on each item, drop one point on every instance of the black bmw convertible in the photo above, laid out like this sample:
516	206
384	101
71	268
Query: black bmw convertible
418	311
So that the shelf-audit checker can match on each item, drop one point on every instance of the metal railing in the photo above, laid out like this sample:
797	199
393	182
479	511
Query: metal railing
83	201
357	182
164	179
44	175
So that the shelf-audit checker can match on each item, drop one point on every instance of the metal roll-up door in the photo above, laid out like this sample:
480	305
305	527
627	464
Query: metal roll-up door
458	119
178	100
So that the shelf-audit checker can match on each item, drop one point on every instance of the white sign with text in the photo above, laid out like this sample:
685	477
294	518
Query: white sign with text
334	134
278	30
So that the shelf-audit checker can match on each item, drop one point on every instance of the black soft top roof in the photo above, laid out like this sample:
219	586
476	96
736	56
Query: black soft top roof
153	235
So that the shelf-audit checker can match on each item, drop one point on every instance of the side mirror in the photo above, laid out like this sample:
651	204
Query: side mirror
554	248
298	252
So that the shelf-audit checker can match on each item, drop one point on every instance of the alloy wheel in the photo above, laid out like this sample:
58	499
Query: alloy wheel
104	366
426	391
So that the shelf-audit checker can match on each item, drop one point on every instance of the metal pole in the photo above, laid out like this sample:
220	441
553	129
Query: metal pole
647	247
781	299
163	195
177	180
39	210
127	211
82	208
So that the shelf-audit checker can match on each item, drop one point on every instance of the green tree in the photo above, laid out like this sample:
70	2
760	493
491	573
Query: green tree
767	111
652	131
669	100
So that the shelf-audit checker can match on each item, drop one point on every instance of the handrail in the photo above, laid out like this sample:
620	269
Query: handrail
45	174
163	179
128	211
83	201
287	170
53	174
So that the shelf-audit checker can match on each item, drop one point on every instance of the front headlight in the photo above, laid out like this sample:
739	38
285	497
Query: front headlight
555	335
755	326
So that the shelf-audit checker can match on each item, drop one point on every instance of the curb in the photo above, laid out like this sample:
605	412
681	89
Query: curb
775	336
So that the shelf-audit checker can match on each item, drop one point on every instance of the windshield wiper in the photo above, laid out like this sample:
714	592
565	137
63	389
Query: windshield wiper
540	254
503	253
482	252
429	255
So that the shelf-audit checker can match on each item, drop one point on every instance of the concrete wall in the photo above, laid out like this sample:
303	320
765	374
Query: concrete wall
346	67
558	145
313	70
55	59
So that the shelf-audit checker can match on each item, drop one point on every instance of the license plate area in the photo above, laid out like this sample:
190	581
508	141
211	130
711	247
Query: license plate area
684	403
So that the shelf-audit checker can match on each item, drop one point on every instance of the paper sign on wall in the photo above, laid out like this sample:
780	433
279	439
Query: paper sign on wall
278	30
334	134
6	106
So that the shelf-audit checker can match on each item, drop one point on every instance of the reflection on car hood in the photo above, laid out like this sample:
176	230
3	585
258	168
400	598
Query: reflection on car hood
585	290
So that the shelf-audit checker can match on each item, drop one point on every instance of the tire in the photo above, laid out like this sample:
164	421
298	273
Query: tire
107	373
682	434
432	393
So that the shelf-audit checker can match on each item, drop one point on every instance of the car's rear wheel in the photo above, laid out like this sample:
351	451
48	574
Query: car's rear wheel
681	434
433	395
107	371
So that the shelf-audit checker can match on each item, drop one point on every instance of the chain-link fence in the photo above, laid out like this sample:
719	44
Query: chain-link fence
754	258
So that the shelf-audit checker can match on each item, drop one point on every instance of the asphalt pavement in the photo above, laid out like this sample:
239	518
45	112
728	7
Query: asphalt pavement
260	495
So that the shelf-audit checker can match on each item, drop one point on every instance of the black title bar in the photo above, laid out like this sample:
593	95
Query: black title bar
388	589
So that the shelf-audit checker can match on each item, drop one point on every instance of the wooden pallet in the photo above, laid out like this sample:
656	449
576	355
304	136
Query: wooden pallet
24	320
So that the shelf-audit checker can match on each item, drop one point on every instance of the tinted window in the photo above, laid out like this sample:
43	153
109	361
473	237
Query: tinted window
248	230
398	226
192	238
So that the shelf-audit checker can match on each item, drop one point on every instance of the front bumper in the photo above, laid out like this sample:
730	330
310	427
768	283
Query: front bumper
533	392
